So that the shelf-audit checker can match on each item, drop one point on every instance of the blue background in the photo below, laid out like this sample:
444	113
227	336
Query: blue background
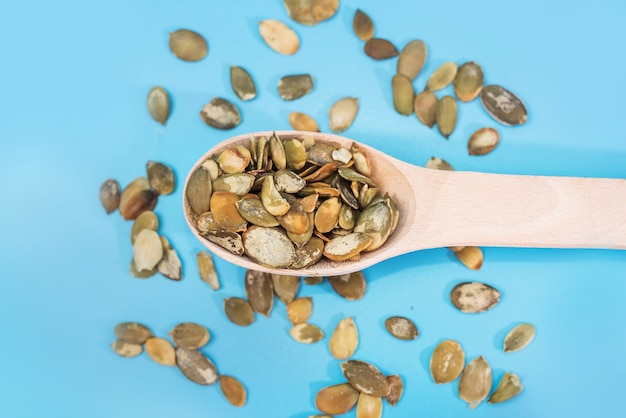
74	79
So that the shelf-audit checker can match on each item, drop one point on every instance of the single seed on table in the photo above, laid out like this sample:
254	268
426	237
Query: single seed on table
349	286
447	361
345	339
336	399
306	333
170	265
342	113
468	81
442	77
143	274
285	287
260	291
161	351
132	332
124	349
136	198
199	190
313	281
147	250
196	366
401	328
437	163
365	377
160	177
242	83
380	49
369	406
239	311
483	141
292	87
323	9
396	387
403	94
470	256
299	310
519	337
412	59
278	36
311	12
190	335
362	25
188	45
303	122
158	102
219	113
206	269
134	187
233	390
508	387
475	383
425	106
503	106
110	194
474	297
446	115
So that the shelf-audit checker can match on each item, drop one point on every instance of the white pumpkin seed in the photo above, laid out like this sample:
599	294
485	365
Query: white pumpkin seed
147	250
299	310
268	247
220	114
345	339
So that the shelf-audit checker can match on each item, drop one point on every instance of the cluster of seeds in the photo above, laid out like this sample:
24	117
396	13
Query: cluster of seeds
152	252
188	337
289	202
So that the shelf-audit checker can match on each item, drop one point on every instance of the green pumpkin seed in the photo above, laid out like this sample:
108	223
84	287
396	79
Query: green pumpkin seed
188	45
396	388
474	297
509	387
237	183
110	194
476	381
289	182
132	332
365	377
401	328
253	211
503	106
445	115
206	269
376	220
362	25
124	349
380	49
147	250
196	366
160	177
347	217
468	81
442	77
199	190
306	333
161	351
239	311
321	153
343	113
295	153
308	254
437	163
403	94
519	337
361	162
190	335
349	286
268	247
285	287
278	36
242	83
447	361
351	175
277	152
220	114
233	390
299	310
483	141
292	87
170	265
205	222
470	256
336	399
158	102
425	106
230	241
345	339
259	291
412	59
303	122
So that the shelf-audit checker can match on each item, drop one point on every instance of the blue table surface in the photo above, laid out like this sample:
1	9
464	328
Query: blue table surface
75	76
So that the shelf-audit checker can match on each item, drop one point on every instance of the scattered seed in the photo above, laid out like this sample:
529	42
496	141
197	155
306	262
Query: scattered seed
396	388
311	12
345	339
313	281
143	274
365	377
447	361
221	114
509	387
475	382
445	115
401	328
239	311
403	94
280	37
132	332
291	87
349	286
206	268
412	59
190	335
196	366
306	333
519	337
158	102
483	141
380	49
260	292
110	194
442	77
299	310
468	81
474	297
199	190
503	106
363	25
336	399
147	250
161	351
437	163
160	177
425	106
470	256
343	113
369	406
124	349
170	265
188	45
233	390
285	287
303	122
242	83
323	9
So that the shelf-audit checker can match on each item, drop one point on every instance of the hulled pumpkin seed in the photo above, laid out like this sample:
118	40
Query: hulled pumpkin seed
295	153
132	332
239	311
376	221
425	106
365	377
224	209
412	59
252	210
221	114
188	45
401	328
483	141
233	390
306	333
242	83
380	49
292	87
349	286
190	335
310	253
299	310
285	287
196	366
311	12
110	194
475	383
445	115
158	103
206	269
143	274
124	349
161	351
437	163
278	36
503	106
345	339
519	337
327	215
272	200
277	152
147	220
509	387
396	387
303	122
289	182
470	256
442	76
199	190
260	292
348	246
361	161
468	81
336	399
474	297
447	361
268	247
170	265
237	183
343	113
403	94
369	406
147	250
160	177
230	241
362	25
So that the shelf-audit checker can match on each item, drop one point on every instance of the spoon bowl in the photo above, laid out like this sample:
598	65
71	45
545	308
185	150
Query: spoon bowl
454	208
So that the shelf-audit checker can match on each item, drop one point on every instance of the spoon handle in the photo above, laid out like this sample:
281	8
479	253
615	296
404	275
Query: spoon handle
467	208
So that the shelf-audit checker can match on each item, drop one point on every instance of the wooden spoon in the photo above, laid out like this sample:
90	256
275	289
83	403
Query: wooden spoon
454	208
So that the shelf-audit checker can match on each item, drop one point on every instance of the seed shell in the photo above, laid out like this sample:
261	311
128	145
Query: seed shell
170	265
188	45
447	361
401	328
161	177
147	250
143	274
260	292
475	383
336	399
124	349
161	351
306	333
396	388
343	113
425	106
345	339
278	36
239	311
403	94
285	287
519	337
412	59
446	115
220	114
468	81
474	297
158	103
369	406
303	122
206	269
503	106
509	387
292	87
362	25
233	390
349	286
132	332
470	256
380	49
196	366
483	141
442	77
230	241
299	310
365	377
190	335
242	83
110	194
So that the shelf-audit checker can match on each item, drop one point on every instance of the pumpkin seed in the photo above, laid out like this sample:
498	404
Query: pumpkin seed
503	106
295	221
336	399
311	12
132	332
324	9
376	221
475	383
442	77
292	87
361	162
268	247
242	83
347	217
206	269
161	351
295	153
345	339
224	209
272	200
220	114
170	265
343	113
313	281
285	287
303	122
136	198
437	163
289	182
252	210
412	59
369	406
190	335
188	45
277	152
306	333
519	337
327	215
483	141
160	177
147	250
199	190
299	310
143	274
196	366
509	387
362	25
380	49
146	220
424	106
447	361
470	256
131	190
234	160
474	297
110	194
259	291
278	36
396	387
445	115
345	247
401	328
468	81
349	286
124	349
230	241
158	102
237	183
365	377
351	175
309	254
239	311
403	94
233	390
